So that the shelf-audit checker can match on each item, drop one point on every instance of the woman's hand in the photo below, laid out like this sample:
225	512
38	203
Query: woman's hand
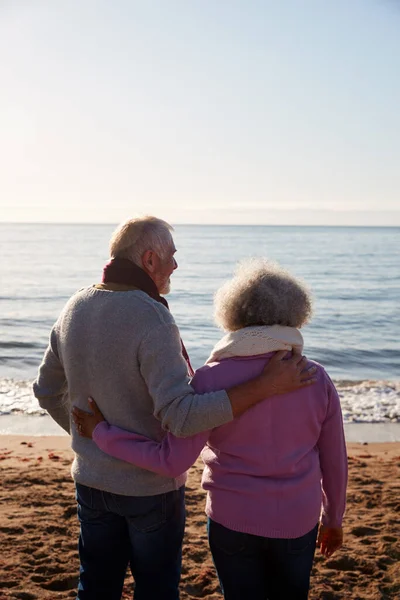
86	422
329	539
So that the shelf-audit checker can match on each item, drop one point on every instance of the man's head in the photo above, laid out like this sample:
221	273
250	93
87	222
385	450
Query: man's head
147	242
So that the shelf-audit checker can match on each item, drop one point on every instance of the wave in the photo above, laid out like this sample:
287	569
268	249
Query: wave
362	401
26	322
13	344
16	397
369	401
49	298
375	364
353	356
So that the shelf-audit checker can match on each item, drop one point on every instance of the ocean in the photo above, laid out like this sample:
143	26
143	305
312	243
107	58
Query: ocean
354	275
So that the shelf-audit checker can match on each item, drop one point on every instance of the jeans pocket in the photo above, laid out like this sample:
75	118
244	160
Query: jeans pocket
149	514
84	498
226	540
303	543
84	495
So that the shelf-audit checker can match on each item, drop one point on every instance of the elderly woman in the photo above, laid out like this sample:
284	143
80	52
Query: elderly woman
276	471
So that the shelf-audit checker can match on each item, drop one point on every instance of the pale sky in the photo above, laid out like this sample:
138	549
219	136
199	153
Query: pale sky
200	111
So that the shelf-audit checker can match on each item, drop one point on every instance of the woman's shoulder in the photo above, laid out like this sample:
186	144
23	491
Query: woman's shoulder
324	382
232	371
321	371
226	373
204	379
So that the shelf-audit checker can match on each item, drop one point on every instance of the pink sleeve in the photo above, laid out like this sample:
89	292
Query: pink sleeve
170	458
333	461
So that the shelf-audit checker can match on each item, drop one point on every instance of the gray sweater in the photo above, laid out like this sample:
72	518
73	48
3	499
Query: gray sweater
123	348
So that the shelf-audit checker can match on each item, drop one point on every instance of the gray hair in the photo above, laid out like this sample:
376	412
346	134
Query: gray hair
133	237
261	293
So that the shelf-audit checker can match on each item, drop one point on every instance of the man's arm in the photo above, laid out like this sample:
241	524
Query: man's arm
50	386
185	413
280	376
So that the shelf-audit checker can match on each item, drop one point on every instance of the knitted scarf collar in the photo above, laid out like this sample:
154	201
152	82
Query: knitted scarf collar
124	271
251	341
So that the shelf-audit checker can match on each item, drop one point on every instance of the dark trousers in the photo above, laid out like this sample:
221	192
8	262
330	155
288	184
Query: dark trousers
250	566
145	532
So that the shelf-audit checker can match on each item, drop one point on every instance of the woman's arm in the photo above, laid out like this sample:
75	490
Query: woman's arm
333	462
170	457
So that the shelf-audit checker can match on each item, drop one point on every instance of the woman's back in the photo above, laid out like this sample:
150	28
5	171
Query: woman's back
263	470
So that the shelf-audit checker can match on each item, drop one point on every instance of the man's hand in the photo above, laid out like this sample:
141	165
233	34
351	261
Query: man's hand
278	377
285	376
86	422
329	540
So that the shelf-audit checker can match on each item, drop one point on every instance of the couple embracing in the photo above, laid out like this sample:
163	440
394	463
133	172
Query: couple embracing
266	421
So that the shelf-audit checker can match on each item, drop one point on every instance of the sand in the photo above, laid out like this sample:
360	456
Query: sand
39	529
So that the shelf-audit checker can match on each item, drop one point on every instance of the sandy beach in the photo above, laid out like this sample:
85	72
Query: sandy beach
40	530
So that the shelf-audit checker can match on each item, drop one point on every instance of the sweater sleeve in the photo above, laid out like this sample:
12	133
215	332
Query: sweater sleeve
170	458
180	410
333	461
50	387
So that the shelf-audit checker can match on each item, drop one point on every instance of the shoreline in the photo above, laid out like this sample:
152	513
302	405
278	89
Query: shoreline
44	426
27	446
362	401
40	528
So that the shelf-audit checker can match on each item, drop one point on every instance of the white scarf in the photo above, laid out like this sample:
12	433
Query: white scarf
251	341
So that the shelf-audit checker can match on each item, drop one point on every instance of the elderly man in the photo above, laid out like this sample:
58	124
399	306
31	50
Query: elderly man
117	341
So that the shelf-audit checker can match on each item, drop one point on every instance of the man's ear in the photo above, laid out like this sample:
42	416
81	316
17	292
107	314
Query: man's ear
148	261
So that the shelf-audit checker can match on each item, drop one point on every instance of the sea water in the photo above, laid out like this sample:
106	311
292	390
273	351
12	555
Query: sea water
353	273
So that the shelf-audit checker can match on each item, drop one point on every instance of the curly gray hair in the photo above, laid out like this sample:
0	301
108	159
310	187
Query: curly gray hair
261	293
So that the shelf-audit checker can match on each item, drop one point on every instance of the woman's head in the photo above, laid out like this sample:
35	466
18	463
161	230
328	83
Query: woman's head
261	293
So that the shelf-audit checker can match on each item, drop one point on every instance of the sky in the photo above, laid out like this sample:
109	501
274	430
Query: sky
200	111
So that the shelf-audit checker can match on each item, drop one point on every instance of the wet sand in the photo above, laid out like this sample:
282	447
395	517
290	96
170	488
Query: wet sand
39	529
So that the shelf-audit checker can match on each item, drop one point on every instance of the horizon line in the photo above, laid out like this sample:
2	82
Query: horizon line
116	223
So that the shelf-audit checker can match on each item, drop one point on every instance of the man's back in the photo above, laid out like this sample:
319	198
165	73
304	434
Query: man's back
99	340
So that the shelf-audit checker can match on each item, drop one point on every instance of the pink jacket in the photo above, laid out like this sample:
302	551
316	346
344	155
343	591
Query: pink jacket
268	472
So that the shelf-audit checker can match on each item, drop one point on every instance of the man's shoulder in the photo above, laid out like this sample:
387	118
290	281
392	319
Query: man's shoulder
77	297
131	303
150	309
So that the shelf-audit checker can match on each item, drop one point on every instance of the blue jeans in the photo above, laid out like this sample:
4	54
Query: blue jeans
250	566
145	532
